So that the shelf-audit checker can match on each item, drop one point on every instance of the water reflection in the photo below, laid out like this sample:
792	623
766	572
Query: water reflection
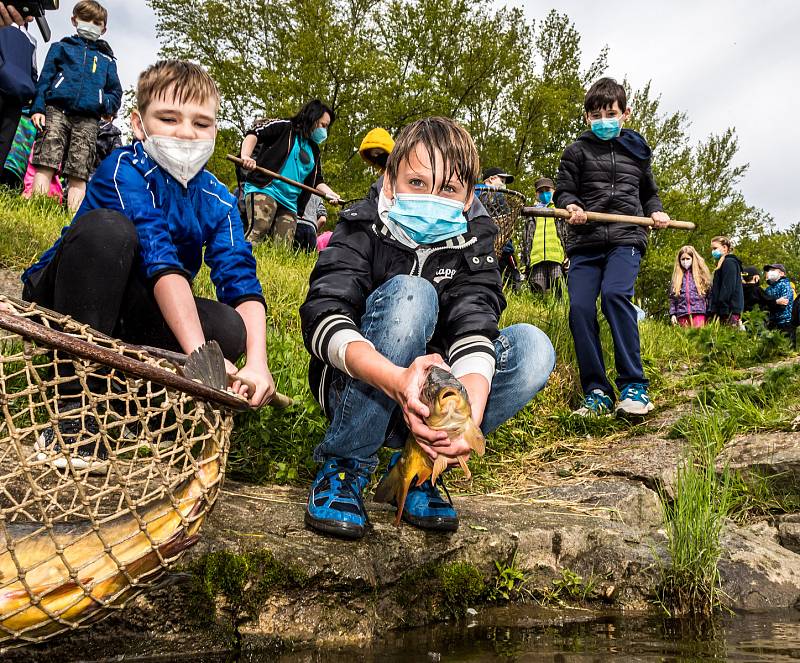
528	635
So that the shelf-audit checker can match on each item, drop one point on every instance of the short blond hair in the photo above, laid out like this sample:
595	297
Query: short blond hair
186	80
90	11
443	135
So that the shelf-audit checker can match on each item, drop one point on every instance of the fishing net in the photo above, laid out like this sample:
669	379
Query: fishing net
109	462
504	206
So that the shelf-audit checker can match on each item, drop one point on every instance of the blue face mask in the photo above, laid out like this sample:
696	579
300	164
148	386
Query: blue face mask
319	135
546	197
606	128
716	254
427	218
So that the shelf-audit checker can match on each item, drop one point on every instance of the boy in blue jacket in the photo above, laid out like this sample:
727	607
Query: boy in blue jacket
78	85
151	216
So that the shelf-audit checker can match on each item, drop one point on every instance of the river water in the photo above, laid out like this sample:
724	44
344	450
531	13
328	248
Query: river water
528	634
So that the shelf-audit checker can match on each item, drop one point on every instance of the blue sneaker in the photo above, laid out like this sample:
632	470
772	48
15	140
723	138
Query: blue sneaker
634	401
425	508
595	404
335	505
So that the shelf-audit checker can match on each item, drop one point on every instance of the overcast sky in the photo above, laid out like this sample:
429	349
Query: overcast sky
724	62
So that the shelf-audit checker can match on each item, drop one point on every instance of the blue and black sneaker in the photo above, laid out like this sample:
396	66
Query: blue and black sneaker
634	401
335	505
425	508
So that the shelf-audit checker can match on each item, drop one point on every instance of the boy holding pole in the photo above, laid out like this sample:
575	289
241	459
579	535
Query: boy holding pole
607	170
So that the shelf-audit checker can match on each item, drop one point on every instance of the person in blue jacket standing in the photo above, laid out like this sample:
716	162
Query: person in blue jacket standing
78	85
151	216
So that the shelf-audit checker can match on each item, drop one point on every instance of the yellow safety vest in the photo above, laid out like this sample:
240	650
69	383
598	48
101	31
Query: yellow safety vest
546	244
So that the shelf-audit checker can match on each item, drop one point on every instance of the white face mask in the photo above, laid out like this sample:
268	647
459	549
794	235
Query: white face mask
773	275
180	157
89	31
686	263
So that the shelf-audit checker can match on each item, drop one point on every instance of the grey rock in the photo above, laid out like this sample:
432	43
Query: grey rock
776	455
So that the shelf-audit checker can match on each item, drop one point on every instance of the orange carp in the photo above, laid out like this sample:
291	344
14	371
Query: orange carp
450	411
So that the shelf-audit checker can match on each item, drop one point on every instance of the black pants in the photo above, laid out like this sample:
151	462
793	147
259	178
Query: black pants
10	113
94	278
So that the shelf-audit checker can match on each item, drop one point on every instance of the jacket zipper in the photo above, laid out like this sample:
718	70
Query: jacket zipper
83	67
686	290
613	181
419	262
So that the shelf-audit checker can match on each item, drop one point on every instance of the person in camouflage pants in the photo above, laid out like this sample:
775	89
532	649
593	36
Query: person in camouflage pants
268	218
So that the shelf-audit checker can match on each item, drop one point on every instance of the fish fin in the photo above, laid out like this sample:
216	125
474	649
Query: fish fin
463	462
439	466
401	499
207	364
475	438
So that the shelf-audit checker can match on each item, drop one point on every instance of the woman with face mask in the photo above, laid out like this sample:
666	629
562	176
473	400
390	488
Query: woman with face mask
691	284
292	148
727	296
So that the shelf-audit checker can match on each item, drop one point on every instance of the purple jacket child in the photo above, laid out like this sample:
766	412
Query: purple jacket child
690	301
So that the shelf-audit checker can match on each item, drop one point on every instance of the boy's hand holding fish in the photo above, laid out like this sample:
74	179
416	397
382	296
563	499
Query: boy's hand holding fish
404	386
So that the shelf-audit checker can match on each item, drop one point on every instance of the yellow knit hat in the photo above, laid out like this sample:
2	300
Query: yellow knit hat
379	138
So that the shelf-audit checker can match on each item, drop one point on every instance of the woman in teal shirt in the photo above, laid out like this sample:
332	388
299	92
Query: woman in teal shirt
291	148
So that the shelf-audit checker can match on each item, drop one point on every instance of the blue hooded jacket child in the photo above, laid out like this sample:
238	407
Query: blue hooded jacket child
79	77
178	227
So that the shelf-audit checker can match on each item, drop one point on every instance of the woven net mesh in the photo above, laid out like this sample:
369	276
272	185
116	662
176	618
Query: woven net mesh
504	206
105	478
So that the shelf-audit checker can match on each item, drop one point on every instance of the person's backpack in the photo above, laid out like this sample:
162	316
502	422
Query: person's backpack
17	75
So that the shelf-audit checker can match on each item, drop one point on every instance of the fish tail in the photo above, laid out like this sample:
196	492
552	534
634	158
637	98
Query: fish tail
387	488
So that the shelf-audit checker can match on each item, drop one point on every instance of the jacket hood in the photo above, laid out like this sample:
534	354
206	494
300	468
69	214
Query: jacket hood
100	45
631	141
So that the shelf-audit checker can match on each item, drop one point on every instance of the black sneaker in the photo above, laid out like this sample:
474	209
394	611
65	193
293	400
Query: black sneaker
91	456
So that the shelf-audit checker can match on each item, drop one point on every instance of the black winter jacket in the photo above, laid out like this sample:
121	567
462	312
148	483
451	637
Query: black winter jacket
275	140
362	256
727	295
612	176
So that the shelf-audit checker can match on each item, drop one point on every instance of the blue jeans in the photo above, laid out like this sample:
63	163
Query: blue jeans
611	274
399	320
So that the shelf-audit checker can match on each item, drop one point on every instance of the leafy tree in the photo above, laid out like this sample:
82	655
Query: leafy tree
517	86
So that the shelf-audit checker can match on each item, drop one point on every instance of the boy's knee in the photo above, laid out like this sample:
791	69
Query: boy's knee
105	231
536	357
614	299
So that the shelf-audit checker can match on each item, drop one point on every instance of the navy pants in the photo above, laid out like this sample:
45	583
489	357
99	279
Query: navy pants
611	274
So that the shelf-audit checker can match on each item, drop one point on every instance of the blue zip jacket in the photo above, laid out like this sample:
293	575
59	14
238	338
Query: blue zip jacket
174	224
780	315
80	78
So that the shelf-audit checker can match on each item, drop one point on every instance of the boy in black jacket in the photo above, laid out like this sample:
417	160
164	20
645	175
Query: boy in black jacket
607	170
404	278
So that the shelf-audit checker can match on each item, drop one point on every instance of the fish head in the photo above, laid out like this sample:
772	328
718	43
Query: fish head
445	397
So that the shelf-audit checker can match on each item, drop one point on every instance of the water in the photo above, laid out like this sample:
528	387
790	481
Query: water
526	634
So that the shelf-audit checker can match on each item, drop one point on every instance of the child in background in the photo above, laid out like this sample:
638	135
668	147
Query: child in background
780	292
727	296
78	85
109	138
691	283
314	217
607	170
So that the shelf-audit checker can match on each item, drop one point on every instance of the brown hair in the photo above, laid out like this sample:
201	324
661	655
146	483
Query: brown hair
186	80
442	135
90	11
603	94
700	271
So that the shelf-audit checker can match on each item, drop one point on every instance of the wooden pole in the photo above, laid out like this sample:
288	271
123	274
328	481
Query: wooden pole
278	176
600	217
